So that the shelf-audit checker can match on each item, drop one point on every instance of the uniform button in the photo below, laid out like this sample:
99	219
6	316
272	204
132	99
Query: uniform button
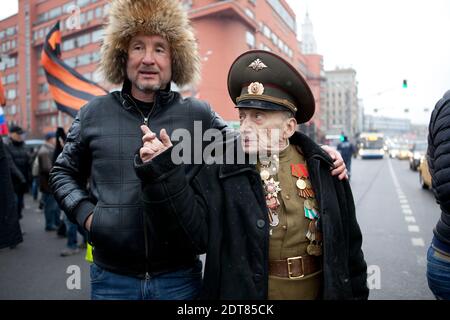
287	197
260	223
284	227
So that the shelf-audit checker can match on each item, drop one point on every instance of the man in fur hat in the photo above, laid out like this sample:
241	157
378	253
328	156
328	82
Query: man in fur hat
147	44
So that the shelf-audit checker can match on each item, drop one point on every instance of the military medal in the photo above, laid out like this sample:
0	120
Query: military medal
314	236
310	207
303	184
265	174
269	167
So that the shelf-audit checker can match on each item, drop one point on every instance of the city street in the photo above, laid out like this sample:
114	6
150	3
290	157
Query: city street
395	214
396	217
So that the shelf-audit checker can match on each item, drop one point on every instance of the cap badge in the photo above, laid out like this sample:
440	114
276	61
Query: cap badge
257	65
255	88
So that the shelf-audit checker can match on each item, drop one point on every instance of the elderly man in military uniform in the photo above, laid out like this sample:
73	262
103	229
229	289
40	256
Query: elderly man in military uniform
280	228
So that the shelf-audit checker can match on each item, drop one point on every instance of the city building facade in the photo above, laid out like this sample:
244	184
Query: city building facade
224	30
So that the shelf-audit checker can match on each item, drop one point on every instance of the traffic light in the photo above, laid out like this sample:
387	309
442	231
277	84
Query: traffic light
405	83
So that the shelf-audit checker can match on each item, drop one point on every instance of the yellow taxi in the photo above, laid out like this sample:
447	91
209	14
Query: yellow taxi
424	173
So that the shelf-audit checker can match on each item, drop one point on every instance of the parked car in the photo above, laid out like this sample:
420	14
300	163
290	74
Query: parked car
418	150
424	173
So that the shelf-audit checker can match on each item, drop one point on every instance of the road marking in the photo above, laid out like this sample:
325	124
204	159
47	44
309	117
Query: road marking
418	242
410	219
405	207
407	211
413	228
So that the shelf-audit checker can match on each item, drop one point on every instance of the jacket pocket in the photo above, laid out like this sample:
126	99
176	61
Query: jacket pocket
92	232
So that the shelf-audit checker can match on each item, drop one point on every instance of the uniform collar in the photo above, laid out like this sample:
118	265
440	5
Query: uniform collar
309	148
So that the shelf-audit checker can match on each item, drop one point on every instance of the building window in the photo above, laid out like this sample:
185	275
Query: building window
83	40
266	31
71	62
98	12
43	105
82	18
274	39
10	63
249	13
10	31
11	78
68	44
84	59
11	94
43	87
97	35
95	56
68	7
90	15
55	12
250	38
82	3
283	13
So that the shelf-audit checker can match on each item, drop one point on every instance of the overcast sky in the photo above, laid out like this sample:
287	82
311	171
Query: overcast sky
385	41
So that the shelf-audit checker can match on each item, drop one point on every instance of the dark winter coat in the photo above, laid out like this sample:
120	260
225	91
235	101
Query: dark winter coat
10	233
439	163
100	146
222	209
21	167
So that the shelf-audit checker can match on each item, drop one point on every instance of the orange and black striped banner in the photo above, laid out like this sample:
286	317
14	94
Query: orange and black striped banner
70	90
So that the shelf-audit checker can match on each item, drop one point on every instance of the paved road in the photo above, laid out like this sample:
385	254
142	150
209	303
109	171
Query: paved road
34	269
396	217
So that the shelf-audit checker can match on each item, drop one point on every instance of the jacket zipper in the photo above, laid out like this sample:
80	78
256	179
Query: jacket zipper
145	119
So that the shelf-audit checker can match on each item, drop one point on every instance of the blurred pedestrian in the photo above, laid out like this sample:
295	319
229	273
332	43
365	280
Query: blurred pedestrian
20	166
60	140
51	208
68	228
438	269
10	232
347	149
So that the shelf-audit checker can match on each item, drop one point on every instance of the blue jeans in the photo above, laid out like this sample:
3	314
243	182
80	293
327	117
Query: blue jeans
71	232
51	211
35	187
183	284
438	271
